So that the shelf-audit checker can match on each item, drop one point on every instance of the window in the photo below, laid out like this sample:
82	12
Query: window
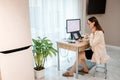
48	17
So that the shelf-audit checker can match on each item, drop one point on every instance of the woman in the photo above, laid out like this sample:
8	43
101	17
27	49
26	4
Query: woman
97	53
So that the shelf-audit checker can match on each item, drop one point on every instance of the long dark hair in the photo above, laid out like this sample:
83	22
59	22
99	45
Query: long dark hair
97	25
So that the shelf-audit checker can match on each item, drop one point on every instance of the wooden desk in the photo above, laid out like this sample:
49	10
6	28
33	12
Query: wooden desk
77	47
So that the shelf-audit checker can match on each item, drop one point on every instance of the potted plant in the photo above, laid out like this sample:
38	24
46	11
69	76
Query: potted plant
42	48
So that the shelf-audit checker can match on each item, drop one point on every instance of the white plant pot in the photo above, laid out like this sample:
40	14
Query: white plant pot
39	74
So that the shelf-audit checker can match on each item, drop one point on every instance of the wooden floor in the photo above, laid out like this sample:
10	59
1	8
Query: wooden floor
113	67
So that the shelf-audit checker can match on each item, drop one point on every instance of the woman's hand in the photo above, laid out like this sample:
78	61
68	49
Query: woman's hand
86	36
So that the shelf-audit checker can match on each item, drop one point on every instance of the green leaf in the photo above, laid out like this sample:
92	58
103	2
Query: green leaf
42	48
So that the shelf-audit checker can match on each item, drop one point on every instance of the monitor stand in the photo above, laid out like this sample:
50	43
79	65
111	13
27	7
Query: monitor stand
71	36
71	39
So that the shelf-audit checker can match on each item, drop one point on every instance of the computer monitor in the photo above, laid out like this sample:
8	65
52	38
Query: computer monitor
73	27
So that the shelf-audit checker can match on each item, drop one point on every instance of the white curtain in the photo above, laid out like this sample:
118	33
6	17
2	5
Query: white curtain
48	17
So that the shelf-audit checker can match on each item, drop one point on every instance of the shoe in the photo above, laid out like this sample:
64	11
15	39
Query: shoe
67	74
82	70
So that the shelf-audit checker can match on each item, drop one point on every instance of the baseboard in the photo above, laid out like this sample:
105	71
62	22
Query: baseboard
111	46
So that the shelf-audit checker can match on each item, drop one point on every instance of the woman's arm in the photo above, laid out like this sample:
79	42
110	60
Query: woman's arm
97	38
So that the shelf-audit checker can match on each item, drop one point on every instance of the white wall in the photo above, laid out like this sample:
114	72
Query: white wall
110	22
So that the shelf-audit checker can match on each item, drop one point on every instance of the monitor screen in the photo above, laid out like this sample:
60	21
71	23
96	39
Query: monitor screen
72	25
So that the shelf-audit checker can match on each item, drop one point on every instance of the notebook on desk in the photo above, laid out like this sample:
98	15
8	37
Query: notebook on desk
77	35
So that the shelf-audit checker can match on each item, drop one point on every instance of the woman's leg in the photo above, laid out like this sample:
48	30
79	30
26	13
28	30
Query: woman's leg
81	60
